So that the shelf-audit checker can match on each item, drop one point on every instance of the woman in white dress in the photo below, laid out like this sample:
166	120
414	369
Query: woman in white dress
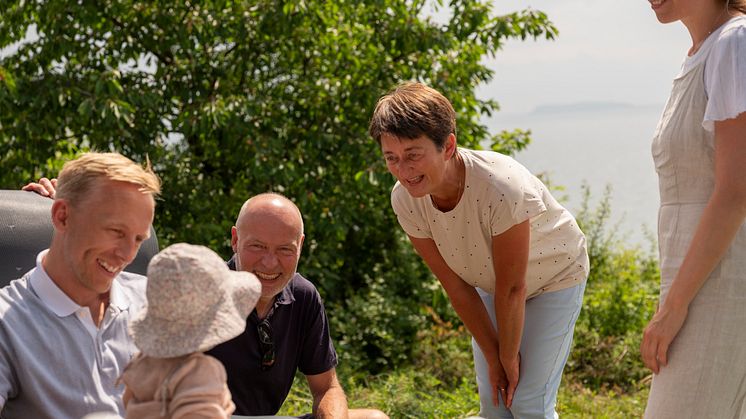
696	342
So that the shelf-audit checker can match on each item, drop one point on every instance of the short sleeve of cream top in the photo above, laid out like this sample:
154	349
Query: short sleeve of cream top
498	194
724	52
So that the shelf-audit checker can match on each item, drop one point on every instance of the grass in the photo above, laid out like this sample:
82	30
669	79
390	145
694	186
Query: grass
577	401
414	393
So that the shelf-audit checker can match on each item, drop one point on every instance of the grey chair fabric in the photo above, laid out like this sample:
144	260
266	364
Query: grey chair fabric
26	229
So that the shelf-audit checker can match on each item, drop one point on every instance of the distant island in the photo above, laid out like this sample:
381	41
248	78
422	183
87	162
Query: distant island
578	108
583	107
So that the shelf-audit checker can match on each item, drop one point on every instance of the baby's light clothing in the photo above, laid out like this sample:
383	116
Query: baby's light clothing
190	386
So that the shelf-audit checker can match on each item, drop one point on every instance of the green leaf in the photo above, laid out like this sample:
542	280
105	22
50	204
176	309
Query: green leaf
85	108
7	79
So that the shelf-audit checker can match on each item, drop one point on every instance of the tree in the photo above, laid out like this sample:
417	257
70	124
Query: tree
233	98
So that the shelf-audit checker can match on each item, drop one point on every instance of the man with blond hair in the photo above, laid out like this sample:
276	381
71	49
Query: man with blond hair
63	325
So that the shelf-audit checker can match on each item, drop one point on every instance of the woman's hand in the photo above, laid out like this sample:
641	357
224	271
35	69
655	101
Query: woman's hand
499	382
512	368
45	187
659	334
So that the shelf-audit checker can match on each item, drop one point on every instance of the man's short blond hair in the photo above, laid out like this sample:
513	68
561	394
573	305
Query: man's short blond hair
79	176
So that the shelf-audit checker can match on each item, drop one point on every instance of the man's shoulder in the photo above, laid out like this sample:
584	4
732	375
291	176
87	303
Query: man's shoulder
304	291
131	280
16	293
133	285
20	308
300	285
300	281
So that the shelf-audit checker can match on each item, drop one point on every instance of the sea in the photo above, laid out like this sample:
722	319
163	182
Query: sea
599	145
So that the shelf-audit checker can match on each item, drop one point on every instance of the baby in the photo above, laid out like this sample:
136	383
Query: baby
194	303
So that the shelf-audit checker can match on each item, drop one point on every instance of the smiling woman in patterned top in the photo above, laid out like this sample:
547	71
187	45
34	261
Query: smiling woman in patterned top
512	260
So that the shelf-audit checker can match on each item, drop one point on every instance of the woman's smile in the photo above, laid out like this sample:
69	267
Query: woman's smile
415	180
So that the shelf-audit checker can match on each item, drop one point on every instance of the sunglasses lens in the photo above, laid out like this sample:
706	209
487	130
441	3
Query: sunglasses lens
266	344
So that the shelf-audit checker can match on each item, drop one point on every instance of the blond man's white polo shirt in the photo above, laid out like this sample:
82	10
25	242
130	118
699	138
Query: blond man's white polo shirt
54	361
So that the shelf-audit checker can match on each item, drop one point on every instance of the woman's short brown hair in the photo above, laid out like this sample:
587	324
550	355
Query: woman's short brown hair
411	110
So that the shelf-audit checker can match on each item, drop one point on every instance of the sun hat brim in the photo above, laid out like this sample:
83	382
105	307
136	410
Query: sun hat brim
208	327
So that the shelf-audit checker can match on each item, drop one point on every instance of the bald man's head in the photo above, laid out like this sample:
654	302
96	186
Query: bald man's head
271	205
267	240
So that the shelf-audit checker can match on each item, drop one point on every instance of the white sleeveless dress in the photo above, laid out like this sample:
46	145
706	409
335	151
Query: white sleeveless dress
706	374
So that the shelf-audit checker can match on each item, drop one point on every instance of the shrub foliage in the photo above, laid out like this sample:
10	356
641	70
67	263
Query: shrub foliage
619	301
232	98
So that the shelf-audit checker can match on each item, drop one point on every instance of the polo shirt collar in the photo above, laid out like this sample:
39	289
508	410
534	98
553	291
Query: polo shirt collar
56	299
286	295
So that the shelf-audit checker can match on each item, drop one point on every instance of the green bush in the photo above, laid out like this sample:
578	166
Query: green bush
619	300
233	98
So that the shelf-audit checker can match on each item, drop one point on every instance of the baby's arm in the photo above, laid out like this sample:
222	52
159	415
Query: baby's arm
202	392
127	396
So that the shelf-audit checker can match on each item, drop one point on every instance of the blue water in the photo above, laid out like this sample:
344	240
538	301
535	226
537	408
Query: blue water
600	145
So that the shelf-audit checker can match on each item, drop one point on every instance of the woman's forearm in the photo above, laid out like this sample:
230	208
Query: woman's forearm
510	258
470	309
510	307
464	298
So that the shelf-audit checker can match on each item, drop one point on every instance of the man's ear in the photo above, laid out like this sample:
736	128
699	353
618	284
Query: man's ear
234	239
60	214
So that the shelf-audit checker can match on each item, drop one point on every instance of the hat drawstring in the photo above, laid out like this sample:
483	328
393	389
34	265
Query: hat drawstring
164	398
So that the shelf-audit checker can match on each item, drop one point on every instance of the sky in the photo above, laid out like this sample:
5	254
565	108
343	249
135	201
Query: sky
607	51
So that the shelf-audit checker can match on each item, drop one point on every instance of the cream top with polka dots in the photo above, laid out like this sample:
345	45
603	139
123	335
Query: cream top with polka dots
498	194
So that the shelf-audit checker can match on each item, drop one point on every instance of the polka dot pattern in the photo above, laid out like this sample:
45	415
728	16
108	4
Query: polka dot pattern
498	194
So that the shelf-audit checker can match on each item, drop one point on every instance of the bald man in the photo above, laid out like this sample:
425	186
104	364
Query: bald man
288	330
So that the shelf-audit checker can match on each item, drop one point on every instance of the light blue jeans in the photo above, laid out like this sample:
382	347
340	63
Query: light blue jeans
547	338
